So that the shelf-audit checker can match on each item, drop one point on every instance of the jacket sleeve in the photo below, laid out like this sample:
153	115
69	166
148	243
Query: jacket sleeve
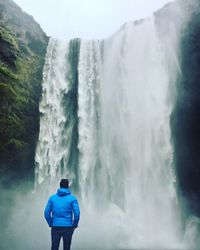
47	212
76	212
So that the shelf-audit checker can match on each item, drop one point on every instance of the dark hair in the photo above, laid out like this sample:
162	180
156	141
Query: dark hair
64	183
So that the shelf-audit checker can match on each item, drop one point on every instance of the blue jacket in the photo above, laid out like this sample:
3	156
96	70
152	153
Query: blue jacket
62	209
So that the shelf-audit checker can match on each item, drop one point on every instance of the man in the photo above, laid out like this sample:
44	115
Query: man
62	214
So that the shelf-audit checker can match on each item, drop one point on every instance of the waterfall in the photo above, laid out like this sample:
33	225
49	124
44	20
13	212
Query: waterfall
105	124
58	108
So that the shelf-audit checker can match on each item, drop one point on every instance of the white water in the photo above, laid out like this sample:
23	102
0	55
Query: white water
55	137
49	150
125	171
88	114
136	148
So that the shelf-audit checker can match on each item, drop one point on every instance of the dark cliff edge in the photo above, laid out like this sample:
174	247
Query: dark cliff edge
22	53
185	118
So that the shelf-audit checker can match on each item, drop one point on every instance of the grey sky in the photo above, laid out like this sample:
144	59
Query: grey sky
87	18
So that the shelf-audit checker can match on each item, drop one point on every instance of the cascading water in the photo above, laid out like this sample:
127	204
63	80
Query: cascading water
51	150
88	114
105	115
58	123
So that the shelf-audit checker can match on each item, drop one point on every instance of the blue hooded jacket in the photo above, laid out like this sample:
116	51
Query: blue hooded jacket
62	209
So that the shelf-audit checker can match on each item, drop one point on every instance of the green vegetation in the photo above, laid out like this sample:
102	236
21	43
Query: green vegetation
21	66
7	73
8	37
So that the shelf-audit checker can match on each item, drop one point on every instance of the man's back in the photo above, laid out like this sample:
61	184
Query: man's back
64	208
62	215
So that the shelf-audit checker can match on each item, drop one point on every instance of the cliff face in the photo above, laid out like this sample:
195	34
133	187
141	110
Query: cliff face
185	119
22	52
186	116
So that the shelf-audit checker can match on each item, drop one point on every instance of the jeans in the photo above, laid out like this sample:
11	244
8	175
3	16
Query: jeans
65	233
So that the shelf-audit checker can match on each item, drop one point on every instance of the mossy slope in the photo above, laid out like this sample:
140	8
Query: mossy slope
22	52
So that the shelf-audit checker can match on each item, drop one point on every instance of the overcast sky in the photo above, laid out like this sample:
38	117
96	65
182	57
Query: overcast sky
87	18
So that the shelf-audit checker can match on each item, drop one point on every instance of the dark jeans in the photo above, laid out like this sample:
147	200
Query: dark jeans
65	233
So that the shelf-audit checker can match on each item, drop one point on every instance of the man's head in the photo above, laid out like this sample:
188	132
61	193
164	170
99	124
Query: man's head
64	183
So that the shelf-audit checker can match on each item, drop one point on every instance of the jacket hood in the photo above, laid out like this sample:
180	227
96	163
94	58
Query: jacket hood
63	191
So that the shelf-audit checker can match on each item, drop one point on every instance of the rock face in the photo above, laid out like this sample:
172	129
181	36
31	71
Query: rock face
22	52
185	120
186	117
